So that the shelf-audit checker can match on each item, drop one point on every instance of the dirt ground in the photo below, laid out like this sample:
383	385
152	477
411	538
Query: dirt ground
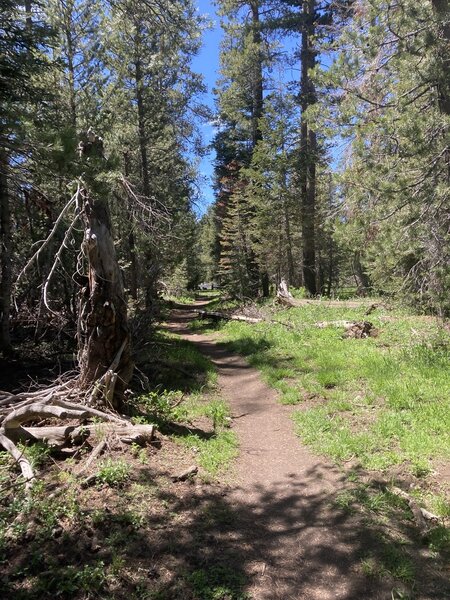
269	529
287	534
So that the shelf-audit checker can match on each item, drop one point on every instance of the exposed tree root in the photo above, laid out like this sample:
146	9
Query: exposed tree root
64	401
421	516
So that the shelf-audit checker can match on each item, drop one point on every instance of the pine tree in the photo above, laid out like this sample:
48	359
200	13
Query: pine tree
21	59
390	99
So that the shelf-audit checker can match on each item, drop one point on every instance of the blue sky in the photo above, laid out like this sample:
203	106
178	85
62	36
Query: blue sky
207	63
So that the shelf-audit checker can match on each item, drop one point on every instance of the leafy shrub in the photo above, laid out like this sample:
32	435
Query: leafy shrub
114	473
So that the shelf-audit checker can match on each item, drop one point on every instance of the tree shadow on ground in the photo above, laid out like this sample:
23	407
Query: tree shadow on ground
199	541
173	364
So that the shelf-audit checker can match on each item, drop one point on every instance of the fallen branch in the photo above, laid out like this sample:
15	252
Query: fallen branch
421	516
218	315
16	410
21	460
186	474
93	455
59	436
40	411
324	324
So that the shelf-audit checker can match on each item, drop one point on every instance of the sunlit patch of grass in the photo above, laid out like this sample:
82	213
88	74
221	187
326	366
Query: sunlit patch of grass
218	582
214	454
382	401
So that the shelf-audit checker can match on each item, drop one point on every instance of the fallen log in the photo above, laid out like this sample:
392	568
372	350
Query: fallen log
324	324
205	314
60	436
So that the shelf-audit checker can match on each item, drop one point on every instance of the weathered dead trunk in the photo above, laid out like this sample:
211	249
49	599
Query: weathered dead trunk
103	334
5	256
284	296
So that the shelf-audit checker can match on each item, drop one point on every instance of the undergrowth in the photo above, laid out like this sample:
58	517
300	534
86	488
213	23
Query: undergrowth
384	401
114	537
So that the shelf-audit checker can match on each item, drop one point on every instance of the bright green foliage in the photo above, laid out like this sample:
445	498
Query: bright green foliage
383	401
391	102
113	473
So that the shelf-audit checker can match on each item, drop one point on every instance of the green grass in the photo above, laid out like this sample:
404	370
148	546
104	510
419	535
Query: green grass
382	400
213	454
217	583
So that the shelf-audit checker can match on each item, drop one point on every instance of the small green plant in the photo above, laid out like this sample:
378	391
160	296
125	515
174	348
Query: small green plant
70	580
114	473
140	453
218	583
162	405
218	411
216	453
37	453
439	540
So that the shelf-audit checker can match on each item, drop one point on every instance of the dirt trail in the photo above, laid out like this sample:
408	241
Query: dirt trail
286	534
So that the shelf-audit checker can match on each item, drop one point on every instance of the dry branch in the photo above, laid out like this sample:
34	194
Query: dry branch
218	315
36	411
421	516
93	455
18	409
24	464
61	435
44	244
186	474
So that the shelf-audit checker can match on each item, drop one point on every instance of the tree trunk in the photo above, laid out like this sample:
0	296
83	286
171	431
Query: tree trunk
151	273
103	335
257	83
255	278
68	26
442	11
131	241
361	277
308	150
6	256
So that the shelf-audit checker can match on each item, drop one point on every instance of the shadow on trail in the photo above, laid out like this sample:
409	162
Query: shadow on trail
206	546
175	364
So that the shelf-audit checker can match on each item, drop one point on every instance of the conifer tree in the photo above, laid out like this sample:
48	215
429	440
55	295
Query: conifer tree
390	100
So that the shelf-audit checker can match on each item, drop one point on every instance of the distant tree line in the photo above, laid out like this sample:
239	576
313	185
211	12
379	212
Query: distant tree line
332	146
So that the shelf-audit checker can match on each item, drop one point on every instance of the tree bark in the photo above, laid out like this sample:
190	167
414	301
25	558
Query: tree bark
255	278
103	334
152	271
131	240
6	256
308	150
102	328
442	11
361	277
68	27
257	83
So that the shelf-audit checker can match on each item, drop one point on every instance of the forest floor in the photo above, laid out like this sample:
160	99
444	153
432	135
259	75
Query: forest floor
290	533
264	518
